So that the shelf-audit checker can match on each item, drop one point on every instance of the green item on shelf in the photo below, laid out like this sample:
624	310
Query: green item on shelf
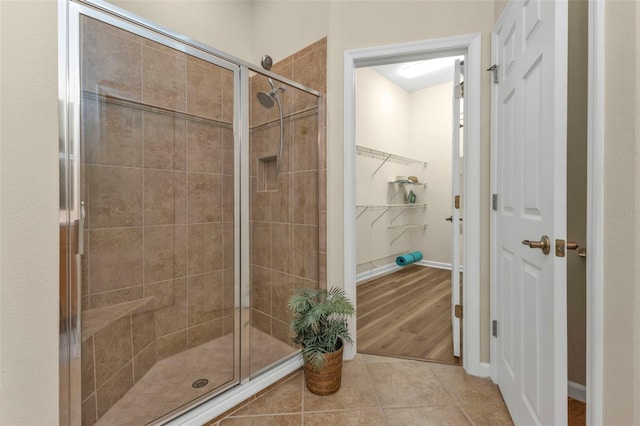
411	198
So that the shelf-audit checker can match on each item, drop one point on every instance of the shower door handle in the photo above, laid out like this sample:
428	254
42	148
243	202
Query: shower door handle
79	224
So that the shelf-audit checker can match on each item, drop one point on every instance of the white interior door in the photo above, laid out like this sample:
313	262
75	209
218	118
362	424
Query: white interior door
530	49
455	209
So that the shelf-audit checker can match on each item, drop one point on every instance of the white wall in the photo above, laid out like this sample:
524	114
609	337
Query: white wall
416	125
431	118
28	214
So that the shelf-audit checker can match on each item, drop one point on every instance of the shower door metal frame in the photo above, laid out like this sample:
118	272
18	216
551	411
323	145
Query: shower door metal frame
71	210
69	12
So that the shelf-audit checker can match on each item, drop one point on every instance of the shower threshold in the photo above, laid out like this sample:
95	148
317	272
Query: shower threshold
167	386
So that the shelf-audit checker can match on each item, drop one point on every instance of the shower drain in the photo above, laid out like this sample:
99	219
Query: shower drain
199	383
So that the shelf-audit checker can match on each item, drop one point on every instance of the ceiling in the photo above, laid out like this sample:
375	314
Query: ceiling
440	70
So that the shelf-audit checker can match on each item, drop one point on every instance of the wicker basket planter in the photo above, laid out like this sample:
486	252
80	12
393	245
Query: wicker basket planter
328	379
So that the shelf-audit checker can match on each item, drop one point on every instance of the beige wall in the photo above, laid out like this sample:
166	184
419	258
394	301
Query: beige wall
29	214
621	297
577	192
222	24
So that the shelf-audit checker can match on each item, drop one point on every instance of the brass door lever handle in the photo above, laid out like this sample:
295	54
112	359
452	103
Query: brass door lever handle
544	244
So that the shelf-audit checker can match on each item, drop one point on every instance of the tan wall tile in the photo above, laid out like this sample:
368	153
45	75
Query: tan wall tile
228	292
261	321
261	244
111	63
164	197
165	252
87	369
205	248
228	146
282	243
283	289
228	198
306	197
282	200
305	251
171	344
171	314
89	413
165	141
205	297
205	332
143	329
204	199
100	300
227	96
115	198
144	361
114	389
115	259
112	349
261	289
204	89
260	207
164	78
305	144
311	70
112	134
204	147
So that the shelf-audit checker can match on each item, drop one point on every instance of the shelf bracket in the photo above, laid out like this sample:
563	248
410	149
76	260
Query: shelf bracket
380	215
398	215
362	212
382	164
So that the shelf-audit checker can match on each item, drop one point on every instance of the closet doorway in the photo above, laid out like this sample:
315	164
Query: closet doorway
409	132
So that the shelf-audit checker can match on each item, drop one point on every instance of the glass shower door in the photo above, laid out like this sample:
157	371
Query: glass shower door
158	190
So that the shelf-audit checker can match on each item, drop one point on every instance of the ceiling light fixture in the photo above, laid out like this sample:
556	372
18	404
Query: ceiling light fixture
416	69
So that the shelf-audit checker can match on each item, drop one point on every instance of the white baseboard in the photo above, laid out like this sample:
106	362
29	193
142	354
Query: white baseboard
439	265
392	267
485	369
432	264
577	391
376	272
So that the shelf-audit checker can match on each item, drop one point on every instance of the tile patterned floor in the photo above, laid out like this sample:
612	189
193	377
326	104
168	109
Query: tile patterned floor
381	391
167	385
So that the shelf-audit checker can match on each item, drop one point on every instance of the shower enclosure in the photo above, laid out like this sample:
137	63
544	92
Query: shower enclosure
189	213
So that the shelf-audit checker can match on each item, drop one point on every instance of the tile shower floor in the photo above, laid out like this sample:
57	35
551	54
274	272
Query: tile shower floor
380	391
167	385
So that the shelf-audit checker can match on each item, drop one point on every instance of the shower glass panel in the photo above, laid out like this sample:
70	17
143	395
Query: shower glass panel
284	214
159	325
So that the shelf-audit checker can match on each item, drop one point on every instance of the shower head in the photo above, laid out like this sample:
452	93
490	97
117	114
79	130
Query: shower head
266	99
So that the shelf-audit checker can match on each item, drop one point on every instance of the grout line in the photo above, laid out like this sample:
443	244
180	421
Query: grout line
375	392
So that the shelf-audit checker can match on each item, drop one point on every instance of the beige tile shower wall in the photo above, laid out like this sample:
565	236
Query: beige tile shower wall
288	214
158	186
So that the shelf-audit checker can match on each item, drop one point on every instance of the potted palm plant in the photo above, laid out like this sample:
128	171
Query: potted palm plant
320	327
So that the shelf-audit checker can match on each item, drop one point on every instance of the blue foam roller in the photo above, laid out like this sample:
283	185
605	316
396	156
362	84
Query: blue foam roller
417	256
405	259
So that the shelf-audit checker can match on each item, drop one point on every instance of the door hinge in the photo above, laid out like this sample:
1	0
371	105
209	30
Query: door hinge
494	202
456	202
494	328
494	69
457	311
460	91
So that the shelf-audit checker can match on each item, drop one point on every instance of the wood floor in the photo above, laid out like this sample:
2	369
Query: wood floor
407	314
577	413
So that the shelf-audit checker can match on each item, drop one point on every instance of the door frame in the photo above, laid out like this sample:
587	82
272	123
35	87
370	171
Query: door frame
595	213
470	46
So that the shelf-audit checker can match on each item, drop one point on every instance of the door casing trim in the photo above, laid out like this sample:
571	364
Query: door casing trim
470	45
